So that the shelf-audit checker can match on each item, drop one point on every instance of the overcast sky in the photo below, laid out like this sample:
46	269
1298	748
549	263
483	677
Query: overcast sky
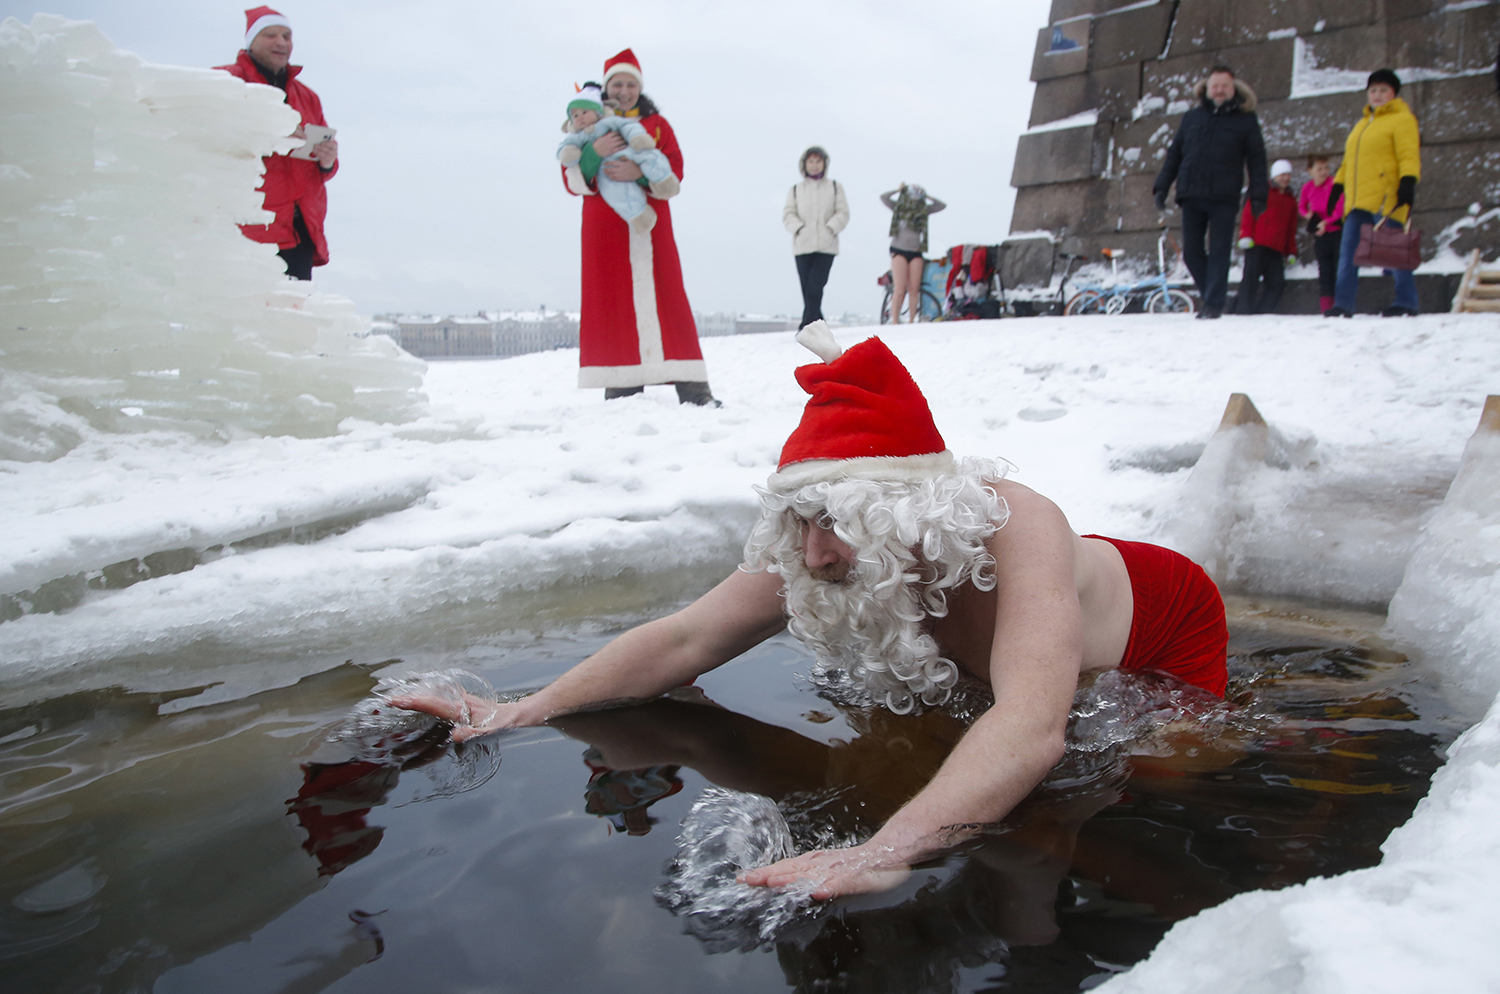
448	198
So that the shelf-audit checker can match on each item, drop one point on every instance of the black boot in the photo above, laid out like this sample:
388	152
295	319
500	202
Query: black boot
696	392
615	393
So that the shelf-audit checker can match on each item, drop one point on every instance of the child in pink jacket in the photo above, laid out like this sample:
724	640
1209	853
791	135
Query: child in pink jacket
1325	222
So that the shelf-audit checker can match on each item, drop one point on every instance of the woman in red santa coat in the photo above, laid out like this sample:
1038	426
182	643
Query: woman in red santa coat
636	327
293	186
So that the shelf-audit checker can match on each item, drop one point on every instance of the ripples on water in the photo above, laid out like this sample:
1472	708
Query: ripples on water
377	732
144	846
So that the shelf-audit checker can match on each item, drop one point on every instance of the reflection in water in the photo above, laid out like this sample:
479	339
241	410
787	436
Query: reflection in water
144	846
1168	802
361	763
622	796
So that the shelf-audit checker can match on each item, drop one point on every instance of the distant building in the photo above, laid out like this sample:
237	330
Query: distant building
488	334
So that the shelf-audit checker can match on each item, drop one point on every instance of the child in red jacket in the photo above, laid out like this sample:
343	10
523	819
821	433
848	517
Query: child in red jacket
1267	240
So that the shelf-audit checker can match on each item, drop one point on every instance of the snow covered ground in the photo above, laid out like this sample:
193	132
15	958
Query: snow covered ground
539	483
166	538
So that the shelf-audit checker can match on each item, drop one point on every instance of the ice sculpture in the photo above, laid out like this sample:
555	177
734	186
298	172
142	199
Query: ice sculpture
129	300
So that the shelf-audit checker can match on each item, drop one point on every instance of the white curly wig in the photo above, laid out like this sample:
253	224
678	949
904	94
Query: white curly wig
913	540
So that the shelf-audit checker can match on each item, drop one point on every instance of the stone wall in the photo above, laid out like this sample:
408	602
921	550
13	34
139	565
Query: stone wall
1124	72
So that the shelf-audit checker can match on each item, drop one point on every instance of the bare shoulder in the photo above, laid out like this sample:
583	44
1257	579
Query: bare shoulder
742	603
1033	517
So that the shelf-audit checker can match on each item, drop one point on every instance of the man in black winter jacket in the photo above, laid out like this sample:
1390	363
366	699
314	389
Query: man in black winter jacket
1216	143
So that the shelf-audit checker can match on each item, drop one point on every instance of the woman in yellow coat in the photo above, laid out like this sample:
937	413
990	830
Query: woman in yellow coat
1378	178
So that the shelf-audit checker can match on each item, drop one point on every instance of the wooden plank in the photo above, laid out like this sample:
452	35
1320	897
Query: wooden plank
1465	285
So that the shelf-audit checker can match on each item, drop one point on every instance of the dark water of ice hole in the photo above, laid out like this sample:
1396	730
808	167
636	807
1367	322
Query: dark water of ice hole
146	848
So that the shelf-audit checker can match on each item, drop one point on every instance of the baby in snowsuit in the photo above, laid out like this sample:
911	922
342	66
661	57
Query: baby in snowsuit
587	121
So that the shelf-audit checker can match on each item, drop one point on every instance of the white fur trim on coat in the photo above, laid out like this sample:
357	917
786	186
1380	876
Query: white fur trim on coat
901	469
645	374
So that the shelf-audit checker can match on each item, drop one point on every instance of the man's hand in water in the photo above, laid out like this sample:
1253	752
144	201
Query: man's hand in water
865	869
484	716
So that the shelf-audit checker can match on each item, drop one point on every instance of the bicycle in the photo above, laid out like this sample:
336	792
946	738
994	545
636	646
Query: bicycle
1155	294
931	309
1059	307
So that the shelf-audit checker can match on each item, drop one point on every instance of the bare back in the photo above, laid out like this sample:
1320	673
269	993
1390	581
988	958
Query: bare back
1038	531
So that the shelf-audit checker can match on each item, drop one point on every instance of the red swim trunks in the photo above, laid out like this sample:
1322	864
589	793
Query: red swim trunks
1178	625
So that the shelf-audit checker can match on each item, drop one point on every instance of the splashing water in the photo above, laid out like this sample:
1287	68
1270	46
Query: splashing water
725	833
1132	708
376	731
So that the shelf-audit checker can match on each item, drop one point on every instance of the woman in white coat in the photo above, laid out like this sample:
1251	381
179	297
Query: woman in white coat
815	213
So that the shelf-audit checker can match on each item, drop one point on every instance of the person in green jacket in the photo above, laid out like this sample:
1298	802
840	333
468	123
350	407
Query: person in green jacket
1378	178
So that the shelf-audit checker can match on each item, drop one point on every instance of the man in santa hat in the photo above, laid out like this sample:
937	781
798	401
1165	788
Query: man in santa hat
293	186
908	571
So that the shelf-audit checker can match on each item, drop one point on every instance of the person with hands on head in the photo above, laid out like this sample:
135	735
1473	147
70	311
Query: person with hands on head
1378	181
294	187
909	205
1216	145
907	572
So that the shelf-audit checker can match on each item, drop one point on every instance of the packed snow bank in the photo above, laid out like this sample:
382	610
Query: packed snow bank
131	301
1350	531
1413	922
1416	922
1447	603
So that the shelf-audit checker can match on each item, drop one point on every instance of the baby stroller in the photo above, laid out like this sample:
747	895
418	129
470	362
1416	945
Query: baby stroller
973	283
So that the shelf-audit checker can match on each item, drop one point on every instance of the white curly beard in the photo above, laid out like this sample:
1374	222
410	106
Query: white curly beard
912	542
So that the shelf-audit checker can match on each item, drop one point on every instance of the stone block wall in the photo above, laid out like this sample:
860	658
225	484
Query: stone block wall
1125	72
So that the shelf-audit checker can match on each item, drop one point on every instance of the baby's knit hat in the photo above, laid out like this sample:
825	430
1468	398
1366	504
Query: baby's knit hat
587	97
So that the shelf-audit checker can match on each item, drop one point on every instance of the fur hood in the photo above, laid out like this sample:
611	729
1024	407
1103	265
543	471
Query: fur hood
1242	93
813	150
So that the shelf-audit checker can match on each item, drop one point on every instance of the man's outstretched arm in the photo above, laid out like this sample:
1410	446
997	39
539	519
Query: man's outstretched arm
1034	665
645	662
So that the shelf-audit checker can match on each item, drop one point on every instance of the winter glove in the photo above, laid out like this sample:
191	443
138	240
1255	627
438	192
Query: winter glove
1406	192
1161	200
1246	244
1257	207
1312	225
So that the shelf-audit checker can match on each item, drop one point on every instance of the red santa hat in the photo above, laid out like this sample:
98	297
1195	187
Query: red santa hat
260	18
624	62
866	419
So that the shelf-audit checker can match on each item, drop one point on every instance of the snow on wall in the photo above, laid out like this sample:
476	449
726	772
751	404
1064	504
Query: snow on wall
130	300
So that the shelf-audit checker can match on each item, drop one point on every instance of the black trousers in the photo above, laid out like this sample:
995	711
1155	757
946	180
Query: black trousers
1326	249
1214	221
812	270
299	258
1262	265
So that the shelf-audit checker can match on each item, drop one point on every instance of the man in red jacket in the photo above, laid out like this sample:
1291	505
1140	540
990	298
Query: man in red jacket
1268	238
293	186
